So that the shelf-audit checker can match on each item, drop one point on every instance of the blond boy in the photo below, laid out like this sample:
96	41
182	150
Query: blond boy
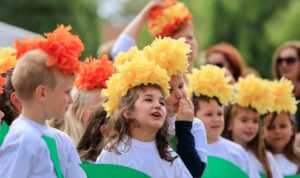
44	92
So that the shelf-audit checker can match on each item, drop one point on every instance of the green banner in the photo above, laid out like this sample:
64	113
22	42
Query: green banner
292	176
51	144
3	131
111	171
221	168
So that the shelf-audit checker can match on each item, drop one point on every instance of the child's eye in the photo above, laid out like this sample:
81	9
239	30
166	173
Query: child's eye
181	86
148	99
283	126
162	103
220	114
208	114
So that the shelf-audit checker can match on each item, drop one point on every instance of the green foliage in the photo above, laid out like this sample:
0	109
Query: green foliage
44	16
255	27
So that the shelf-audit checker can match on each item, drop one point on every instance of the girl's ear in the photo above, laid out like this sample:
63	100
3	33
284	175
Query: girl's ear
126	113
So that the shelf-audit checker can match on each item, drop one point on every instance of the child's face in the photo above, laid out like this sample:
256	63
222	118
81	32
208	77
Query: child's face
211	114
244	125
58	99
149	109
177	91
279	132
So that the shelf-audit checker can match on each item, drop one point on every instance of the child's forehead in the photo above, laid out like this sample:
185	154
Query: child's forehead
150	91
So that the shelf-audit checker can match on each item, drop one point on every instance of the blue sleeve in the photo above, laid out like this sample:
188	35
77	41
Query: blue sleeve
123	43
186	148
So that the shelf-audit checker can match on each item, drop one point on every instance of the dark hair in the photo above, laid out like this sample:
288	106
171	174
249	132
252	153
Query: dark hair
119	127
196	99
257	145
6	105
89	146
291	152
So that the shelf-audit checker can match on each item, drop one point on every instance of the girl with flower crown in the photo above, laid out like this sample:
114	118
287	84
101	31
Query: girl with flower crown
210	92
137	133
280	128
86	94
244	125
189	133
166	19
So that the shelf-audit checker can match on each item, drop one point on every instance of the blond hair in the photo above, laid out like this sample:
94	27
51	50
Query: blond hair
30	72
74	126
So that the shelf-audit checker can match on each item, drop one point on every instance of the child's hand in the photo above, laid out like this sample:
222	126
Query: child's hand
145	13
185	110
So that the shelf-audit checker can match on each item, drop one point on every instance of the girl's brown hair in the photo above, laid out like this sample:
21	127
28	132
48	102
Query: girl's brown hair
119	127
257	145
90	144
291	152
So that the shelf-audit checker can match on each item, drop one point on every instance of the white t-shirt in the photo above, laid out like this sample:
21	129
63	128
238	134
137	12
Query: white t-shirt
144	156
286	166
234	153
276	173
199	133
25	154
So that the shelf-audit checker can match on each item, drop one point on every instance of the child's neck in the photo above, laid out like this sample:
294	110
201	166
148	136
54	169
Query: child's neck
143	134
212	140
33	115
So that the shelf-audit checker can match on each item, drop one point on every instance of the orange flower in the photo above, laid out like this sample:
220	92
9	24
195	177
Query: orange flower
94	73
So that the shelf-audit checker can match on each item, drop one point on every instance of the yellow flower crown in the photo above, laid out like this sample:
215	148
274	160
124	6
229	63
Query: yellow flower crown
123	57
164	21
284	99
132	74
7	61
253	92
170	54
211	81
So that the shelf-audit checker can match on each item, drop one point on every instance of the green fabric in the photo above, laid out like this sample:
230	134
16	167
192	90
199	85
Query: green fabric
220	168
292	176
111	171
262	175
173	142
51	144
3	131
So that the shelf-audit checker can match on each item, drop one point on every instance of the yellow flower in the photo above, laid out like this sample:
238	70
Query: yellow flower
7	59
284	99
132	74
211	81
170	54
123	57
253	92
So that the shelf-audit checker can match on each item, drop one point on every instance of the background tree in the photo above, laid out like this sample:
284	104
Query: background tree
43	16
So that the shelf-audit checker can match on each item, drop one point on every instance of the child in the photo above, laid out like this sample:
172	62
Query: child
86	94
280	129
136	102
166	19
211	90
172	55
8	101
42	79
244	126
90	145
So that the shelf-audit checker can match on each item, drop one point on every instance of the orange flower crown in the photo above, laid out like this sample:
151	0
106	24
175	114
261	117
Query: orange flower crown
163	21
62	47
94	73
7	61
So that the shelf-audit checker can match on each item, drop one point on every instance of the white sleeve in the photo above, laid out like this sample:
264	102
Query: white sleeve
199	133
180	169
248	166
15	160
73	161
105	157
273	166
123	43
